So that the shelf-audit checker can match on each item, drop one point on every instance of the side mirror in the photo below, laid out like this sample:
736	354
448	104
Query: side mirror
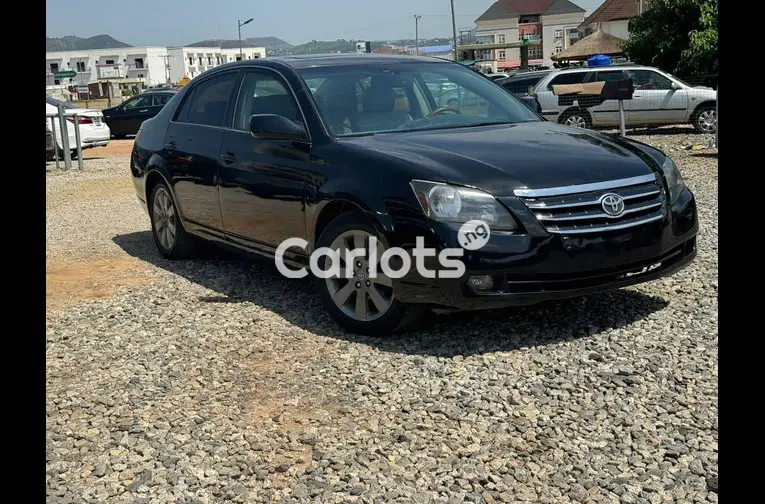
275	127
676	86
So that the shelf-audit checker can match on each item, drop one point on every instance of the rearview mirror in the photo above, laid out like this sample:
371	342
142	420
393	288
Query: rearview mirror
275	127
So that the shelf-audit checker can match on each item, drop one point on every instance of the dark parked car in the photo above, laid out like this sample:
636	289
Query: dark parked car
126	118
248	156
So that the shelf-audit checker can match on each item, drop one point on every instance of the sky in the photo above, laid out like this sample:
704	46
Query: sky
180	22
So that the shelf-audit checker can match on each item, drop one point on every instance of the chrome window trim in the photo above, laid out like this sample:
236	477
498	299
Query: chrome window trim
583	188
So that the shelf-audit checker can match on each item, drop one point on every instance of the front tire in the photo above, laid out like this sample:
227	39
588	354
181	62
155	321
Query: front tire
360	304
171	239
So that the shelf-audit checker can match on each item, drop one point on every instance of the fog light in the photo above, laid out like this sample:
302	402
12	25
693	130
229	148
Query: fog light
481	282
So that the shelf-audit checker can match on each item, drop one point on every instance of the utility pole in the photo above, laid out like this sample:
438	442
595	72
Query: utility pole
454	31
417	34
166	57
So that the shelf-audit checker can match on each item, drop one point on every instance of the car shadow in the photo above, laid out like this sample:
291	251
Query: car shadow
237	279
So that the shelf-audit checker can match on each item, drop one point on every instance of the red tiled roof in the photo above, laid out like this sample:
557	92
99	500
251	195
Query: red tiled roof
525	7
614	10
509	9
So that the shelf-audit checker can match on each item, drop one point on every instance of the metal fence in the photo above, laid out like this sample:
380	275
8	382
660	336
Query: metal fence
61	117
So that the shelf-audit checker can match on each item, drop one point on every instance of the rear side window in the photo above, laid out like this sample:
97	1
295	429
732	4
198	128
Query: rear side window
610	76
208	102
568	78
161	99
519	86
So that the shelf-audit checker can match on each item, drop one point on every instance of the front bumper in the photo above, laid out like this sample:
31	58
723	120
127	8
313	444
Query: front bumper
528	269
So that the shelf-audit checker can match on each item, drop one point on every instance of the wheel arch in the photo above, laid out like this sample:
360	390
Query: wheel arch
572	110
702	105
331	208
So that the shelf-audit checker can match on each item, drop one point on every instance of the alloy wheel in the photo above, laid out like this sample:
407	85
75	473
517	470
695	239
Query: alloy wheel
707	121
357	295
163	215
576	121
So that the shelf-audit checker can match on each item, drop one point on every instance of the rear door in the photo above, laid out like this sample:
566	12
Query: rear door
192	146
548	101
607	113
654	101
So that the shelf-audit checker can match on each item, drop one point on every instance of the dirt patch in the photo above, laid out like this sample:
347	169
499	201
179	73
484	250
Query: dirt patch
83	191
70	283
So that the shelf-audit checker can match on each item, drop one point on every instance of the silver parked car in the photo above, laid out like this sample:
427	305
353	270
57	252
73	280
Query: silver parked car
659	99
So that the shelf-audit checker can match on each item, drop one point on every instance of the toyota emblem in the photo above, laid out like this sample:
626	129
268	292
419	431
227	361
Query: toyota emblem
612	204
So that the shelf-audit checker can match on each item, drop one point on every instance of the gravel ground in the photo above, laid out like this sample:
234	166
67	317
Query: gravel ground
217	380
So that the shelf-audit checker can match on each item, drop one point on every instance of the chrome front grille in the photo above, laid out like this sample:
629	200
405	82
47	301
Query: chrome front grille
579	209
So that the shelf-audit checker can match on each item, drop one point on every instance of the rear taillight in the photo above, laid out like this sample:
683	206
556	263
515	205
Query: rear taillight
81	120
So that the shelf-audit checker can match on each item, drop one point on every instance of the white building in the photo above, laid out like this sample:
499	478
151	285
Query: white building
192	61
554	23
124	65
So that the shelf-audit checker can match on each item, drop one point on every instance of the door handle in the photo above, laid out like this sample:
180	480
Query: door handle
144	110
228	158
636	96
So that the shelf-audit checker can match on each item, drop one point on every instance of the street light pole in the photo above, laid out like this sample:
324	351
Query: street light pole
417	34
239	26
454	31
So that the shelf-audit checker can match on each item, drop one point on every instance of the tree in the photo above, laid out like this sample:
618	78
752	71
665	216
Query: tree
678	36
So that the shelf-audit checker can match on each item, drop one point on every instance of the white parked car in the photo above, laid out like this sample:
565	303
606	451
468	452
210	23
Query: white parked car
93	130
659	99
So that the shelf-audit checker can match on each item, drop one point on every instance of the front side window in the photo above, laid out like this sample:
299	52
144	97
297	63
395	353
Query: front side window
376	98
264	92
649	79
209	100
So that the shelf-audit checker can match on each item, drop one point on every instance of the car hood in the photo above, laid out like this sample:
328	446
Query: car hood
500	159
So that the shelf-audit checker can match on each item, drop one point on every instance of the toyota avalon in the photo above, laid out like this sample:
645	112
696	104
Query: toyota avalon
338	151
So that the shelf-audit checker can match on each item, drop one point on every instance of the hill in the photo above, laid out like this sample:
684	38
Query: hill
270	43
73	43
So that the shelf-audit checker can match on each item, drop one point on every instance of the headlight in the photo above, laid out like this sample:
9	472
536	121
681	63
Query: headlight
674	179
450	203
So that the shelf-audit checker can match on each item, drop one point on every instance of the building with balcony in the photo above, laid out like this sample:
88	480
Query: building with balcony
613	16
192	61
124	65
551	24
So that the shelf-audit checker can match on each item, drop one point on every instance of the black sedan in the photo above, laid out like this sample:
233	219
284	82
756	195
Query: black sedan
126	118
349	168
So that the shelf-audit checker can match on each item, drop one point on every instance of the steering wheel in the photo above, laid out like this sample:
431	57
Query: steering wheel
445	108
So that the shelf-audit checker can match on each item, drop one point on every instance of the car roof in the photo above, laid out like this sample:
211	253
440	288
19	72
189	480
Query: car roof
341	59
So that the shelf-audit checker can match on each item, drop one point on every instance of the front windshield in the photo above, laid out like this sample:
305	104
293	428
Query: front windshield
381	98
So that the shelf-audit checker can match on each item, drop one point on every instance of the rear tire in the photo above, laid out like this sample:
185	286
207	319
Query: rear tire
576	118
360	304
705	120
171	239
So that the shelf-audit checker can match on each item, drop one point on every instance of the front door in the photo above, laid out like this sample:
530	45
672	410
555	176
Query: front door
192	146
262	181
654	100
